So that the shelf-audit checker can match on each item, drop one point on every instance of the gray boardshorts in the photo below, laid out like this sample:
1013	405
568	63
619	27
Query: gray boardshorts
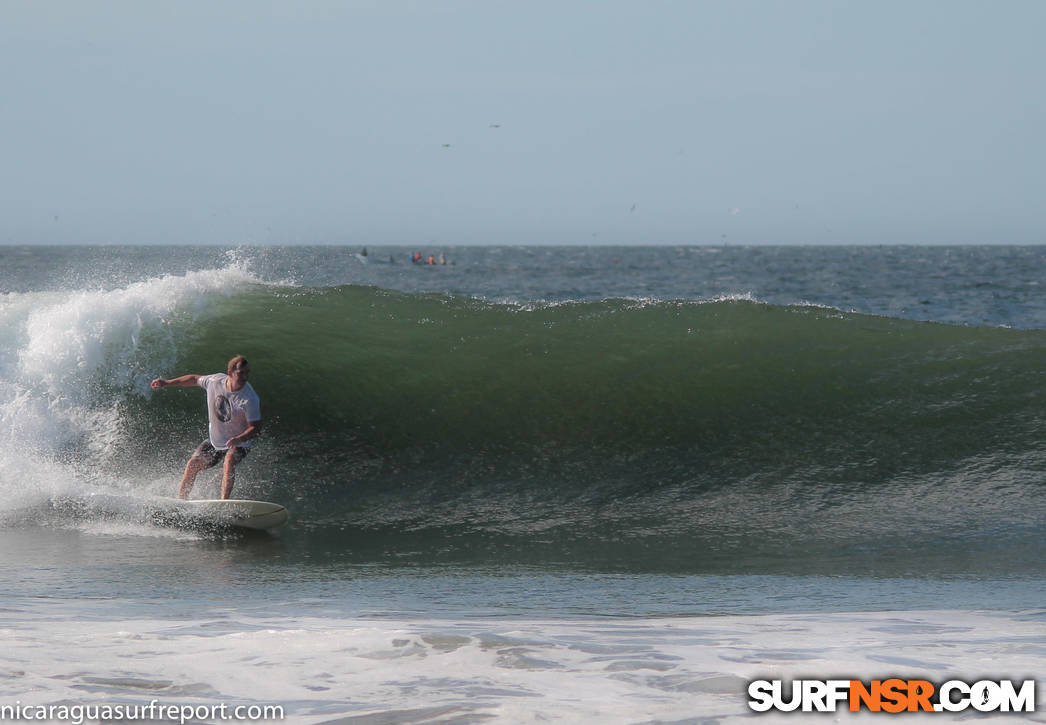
211	455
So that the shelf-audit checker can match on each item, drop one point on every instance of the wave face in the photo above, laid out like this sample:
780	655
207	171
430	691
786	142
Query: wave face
722	435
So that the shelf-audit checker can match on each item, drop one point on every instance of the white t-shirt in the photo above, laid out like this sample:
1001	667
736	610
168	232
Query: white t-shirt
230	411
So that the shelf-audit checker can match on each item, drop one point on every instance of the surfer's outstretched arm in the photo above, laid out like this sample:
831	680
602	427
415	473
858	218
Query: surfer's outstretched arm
185	381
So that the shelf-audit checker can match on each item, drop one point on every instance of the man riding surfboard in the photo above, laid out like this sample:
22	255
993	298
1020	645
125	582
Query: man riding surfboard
234	416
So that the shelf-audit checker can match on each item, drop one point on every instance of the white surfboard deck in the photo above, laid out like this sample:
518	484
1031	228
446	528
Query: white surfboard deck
232	512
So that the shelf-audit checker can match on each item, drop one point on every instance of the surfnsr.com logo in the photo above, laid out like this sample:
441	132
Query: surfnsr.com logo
892	695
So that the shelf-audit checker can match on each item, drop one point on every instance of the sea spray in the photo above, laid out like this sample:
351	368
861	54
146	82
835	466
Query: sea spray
71	359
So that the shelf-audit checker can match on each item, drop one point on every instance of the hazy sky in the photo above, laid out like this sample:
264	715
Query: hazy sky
648	121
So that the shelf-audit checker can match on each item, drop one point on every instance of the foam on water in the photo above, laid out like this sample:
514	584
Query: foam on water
504	671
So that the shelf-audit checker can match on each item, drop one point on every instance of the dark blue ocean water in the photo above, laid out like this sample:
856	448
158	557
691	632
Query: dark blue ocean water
693	411
990	285
564	483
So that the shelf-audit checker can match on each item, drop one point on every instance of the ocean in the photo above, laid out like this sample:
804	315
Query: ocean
534	484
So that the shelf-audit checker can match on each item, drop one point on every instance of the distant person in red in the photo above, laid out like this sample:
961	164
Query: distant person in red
432	260
234	414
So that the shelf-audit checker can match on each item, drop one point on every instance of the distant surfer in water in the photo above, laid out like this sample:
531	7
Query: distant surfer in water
234	413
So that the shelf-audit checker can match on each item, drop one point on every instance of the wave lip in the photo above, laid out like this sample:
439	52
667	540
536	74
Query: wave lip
71	362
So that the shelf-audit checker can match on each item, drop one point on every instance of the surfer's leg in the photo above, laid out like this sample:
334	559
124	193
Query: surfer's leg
202	458
228	476
192	468
229	471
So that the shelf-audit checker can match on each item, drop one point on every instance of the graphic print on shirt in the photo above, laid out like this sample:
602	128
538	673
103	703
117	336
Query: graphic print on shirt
222	409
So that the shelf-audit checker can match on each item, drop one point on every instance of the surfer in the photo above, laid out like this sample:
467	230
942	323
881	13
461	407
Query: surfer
234	414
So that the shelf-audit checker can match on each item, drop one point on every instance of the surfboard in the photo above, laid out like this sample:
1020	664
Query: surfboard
221	513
